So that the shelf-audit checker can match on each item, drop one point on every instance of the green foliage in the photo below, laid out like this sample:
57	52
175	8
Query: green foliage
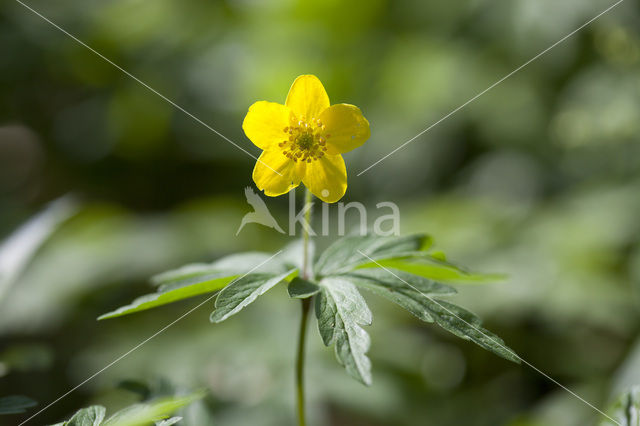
169	422
156	411
15	404
434	267
414	294
242	292
401	271
626	410
90	416
344	254
301	289
341	311
169	295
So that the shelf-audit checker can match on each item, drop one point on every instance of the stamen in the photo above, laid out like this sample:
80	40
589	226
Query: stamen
306	141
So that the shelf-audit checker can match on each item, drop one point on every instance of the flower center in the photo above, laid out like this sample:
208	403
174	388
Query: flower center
305	141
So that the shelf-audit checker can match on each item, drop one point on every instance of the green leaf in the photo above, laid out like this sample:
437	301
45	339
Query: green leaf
15	404
467	325
232	265
244	291
415	295
402	288
341	311
196	279
434	268
301	289
345	253
153	411
169	295
169	422
626	410
90	416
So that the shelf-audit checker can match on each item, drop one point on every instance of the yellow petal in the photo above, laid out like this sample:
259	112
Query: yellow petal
265	122
266	178
346	126
326	178
307	97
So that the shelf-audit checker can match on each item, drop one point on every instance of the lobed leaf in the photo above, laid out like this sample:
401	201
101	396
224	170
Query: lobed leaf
341	311
402	288
244	291
345	254
467	325
169	295
415	295
428	266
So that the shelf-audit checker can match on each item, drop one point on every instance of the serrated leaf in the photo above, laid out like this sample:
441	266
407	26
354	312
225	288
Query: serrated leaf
90	416
394	287
244	291
341	311
467	325
170	295
15	404
153	411
399	288
428	266
301	289
626	410
345	253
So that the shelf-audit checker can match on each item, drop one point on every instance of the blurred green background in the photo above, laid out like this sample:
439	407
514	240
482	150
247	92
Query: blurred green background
539	178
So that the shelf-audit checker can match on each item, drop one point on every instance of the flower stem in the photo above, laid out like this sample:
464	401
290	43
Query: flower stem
305	235
306	306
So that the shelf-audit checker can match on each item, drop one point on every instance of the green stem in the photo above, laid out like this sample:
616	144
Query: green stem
305	235
306	306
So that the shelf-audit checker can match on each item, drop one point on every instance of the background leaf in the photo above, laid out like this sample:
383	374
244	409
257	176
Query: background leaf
15	404
626	410
341	311
144	414
169	422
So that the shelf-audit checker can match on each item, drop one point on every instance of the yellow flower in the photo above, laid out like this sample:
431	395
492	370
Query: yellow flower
302	141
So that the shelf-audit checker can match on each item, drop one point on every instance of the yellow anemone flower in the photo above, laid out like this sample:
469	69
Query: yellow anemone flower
302	141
